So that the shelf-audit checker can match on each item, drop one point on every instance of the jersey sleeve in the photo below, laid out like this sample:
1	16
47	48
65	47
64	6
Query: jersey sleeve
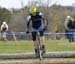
7	27
41	15
28	21
1	27
28	18
65	24
44	20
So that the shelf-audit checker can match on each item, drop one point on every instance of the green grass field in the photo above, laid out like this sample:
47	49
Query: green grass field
27	46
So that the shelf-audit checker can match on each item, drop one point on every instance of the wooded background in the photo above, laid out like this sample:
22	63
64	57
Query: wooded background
55	14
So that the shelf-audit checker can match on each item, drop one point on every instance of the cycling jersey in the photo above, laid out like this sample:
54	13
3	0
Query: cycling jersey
4	27
71	24
37	20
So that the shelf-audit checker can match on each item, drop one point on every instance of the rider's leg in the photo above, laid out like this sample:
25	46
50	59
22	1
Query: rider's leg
42	39
34	39
4	35
35	42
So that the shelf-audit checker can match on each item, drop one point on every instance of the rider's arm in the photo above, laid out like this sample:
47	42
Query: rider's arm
1	27
66	23
28	22
44	20
45	23
7	27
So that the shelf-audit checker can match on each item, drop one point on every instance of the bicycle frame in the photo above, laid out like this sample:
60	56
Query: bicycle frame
39	45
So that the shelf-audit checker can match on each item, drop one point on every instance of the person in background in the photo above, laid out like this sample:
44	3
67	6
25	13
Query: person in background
38	23
58	36
70	27
4	29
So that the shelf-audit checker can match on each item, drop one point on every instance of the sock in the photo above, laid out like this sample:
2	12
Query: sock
35	50
43	46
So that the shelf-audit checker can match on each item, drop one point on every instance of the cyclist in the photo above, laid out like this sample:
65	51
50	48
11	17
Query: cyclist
38	23
70	27
4	29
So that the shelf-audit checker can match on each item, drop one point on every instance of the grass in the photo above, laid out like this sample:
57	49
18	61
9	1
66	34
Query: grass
27	46
59	45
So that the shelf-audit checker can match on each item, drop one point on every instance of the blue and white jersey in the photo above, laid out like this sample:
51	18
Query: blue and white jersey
35	19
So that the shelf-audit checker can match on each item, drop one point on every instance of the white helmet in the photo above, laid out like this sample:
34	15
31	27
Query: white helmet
68	17
4	22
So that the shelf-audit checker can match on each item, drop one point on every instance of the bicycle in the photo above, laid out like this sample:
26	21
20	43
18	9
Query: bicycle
39	47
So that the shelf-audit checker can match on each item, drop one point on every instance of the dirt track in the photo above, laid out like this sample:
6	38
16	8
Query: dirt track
37	61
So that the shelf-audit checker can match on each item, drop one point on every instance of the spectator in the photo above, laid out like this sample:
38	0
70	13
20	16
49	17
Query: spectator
57	35
4	29
69	26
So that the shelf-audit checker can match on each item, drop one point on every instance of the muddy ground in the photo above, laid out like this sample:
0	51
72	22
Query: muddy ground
37	61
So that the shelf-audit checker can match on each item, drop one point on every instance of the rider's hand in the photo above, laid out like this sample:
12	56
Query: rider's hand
27	32
45	29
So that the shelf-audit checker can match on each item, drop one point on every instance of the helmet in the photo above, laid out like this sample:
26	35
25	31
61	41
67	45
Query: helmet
68	17
4	22
33	10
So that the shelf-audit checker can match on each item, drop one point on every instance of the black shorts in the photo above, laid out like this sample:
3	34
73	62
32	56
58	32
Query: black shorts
4	29
35	33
